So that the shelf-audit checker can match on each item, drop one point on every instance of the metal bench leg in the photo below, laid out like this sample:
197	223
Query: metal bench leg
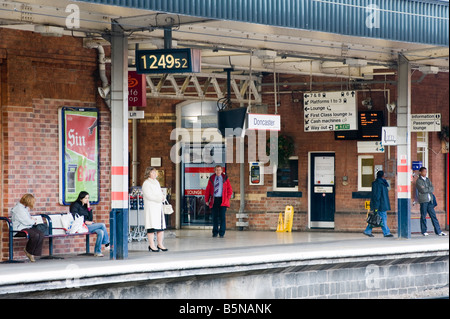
11	252
50	250
87	253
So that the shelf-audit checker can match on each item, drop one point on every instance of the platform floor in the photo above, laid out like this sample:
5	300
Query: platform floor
198	244
197	249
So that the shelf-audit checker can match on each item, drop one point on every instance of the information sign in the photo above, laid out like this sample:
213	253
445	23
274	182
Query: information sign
426	122
330	111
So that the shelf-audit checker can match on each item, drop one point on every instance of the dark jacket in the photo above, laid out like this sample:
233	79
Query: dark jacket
425	190
380	197
78	208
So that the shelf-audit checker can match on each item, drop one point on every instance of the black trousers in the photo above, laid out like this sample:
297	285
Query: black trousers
35	241
218	216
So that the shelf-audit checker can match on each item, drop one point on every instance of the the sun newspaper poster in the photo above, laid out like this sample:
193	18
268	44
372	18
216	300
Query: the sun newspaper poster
79	154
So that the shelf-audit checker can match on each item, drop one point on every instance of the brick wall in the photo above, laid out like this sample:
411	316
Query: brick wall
429	96
36	81
154	141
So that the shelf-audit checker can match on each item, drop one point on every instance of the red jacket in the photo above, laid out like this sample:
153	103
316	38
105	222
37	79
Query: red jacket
226	191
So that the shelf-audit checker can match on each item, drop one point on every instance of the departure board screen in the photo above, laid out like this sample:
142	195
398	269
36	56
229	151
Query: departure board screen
370	124
369	127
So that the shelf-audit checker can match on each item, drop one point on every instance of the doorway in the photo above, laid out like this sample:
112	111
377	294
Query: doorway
322	190
204	150
195	177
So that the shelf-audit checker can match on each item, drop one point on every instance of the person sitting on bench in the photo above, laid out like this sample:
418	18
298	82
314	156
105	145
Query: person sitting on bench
22	221
82	207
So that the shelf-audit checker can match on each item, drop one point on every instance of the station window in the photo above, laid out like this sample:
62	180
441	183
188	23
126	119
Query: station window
422	148
285	176
365	173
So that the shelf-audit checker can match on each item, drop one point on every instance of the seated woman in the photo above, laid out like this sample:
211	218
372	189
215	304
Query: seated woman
82	207
22	220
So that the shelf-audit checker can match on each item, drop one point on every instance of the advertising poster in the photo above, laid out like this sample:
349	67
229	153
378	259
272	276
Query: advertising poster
79	154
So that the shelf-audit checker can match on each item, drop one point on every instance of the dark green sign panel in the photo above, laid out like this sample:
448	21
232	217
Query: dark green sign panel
168	61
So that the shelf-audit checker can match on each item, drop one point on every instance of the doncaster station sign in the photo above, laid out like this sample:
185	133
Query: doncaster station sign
267	122
330	111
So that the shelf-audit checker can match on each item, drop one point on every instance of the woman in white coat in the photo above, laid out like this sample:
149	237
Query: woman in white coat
153	210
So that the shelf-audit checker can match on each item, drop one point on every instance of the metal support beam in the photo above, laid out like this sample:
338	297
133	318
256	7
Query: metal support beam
204	86
119	144
404	148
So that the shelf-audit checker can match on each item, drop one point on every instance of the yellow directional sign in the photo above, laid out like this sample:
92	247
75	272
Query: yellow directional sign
367	204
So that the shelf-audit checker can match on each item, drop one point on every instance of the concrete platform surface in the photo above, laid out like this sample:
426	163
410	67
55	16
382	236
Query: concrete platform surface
195	252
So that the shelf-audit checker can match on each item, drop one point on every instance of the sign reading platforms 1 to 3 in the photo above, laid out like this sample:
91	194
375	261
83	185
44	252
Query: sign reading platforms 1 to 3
330	111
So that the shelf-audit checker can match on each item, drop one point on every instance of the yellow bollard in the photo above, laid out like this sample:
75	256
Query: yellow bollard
288	218
280	227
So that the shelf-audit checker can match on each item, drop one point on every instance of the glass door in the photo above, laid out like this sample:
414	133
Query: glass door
197	167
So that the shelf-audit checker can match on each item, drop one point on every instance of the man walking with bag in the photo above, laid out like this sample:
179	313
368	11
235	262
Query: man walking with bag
379	203
218	195
425	190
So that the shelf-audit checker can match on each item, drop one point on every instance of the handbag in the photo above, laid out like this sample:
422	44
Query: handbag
43	228
167	208
373	219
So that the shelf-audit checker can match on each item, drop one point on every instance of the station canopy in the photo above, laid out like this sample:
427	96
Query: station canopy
358	39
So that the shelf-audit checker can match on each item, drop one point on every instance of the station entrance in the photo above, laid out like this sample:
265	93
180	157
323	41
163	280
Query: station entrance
195	177
204	150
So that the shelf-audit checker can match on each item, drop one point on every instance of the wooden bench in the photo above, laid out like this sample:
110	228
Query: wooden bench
55	230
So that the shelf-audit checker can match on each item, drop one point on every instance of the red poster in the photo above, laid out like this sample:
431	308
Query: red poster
137	92
81	135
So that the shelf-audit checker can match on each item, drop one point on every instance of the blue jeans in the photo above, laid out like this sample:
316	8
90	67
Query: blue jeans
384	227
425	208
102	235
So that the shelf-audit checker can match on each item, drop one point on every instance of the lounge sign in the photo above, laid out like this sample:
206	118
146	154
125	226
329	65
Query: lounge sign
266	122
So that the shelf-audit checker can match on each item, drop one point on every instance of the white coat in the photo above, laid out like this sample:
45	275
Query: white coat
153	204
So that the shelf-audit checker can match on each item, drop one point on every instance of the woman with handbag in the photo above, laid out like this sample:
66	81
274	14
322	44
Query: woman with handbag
81	207
153	209
379	203
22	221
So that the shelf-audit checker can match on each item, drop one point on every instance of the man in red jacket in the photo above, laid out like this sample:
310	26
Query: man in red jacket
218	194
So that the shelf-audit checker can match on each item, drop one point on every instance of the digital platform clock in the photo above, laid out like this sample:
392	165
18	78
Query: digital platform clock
168	61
